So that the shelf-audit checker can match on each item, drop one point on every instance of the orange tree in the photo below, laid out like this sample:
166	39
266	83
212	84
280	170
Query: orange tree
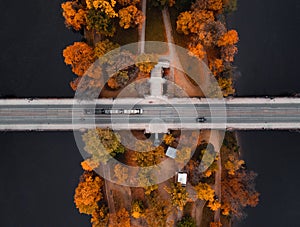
80	56
130	16
119	219
88	193
74	14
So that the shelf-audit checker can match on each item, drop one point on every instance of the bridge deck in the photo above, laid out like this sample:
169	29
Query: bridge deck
158	114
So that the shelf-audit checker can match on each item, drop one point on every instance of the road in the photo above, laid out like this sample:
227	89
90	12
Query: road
235	116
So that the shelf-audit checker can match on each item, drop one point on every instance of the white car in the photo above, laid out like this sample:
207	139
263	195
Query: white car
133	111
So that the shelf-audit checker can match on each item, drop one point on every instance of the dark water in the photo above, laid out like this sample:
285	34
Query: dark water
269	49
274	155
39	172
268	63
33	36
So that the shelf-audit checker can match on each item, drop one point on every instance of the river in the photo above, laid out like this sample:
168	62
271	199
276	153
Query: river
40	170
267	64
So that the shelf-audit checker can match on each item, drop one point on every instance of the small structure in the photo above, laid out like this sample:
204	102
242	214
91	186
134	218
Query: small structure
182	178
171	152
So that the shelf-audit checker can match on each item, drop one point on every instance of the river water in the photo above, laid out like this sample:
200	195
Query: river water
41	169
267	64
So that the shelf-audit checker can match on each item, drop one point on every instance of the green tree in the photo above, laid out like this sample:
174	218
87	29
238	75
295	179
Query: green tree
100	22
187	222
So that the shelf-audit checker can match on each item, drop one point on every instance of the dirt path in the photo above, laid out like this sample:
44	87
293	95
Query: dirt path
177	75
142	29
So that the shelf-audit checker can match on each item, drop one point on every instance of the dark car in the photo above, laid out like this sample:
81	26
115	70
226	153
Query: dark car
201	119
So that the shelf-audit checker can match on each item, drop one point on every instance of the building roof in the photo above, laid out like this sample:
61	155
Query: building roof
182	178
171	152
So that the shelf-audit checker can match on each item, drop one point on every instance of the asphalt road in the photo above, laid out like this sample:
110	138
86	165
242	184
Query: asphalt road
155	114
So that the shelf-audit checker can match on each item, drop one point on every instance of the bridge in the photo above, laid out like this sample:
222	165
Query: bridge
159	115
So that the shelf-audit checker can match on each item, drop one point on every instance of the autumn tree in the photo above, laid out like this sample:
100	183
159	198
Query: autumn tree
179	195
74	14
103	47
228	52
104	6
197	49
102	144
158	210
229	38
80	56
147	155
183	154
238	191
193	21
233	164
89	164
186	221
119	219
88	193
213	5
130	16
146	62
100	217
215	224
137	209
118	80
168	139
128	2
205	192
226	84
120	173
100	22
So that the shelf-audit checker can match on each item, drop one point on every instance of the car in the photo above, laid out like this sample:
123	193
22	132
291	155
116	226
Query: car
133	111
201	119
109	111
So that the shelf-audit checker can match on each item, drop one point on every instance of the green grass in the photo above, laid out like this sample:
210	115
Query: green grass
155	30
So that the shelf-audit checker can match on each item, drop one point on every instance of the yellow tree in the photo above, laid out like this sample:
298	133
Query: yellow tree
74	15
179	195
146	62
168	139
80	56
88	193
119	219
104	6
137	209
104	47
233	164
130	16
205	192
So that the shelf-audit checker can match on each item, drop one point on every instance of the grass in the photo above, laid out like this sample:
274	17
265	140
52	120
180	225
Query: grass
125	36
155	30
